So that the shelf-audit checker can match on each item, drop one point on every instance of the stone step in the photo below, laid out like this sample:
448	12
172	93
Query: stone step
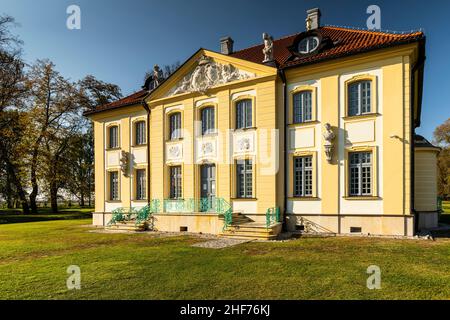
246	229
243	236
127	227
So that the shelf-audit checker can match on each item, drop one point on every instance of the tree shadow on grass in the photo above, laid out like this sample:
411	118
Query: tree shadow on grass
14	216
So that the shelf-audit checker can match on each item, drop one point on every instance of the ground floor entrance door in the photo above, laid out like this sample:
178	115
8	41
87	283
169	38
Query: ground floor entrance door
207	187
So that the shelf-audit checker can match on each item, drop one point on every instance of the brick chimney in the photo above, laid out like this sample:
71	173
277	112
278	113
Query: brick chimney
226	45
313	19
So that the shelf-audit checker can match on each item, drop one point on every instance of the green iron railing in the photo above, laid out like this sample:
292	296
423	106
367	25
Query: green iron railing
272	216
130	214
206	205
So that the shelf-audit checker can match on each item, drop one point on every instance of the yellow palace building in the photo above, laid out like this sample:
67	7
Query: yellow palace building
313	132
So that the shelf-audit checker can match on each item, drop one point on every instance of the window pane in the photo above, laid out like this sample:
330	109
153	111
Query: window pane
208	120
113	137
140	184
303	107
175	182
360	169
244	114
298	108
175	126
365	97
303	177
359	98
244	179
114	186
353	100
140	132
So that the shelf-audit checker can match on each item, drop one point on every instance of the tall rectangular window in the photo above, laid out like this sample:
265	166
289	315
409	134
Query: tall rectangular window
140	133
303	176
114	186
175	182
208	120
360	169
359	98
244	179
302	107
140	184
113	137
175	126
244	117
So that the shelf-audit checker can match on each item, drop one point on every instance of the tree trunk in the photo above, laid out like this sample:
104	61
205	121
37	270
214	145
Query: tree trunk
34	185
81	198
54	197
9	195
20	191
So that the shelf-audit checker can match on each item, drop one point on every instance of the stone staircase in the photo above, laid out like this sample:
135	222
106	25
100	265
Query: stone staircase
127	226
244	228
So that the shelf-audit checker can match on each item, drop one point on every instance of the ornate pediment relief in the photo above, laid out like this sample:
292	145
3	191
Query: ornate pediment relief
208	74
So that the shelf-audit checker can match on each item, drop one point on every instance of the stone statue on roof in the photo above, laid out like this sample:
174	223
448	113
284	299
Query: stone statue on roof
268	48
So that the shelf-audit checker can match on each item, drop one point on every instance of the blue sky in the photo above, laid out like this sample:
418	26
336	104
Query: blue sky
120	40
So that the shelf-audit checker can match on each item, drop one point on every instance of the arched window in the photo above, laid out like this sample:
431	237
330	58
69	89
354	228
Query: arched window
244	117
175	126
359	98
113	133
139	133
302	106
208	120
308	45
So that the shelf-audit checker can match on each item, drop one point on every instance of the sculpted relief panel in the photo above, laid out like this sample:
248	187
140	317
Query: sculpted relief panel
244	143
208	74
174	152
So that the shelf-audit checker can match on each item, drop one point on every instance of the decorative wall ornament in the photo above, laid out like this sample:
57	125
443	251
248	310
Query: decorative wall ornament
174	152
207	148
244	144
125	163
208	74
328	145
268	48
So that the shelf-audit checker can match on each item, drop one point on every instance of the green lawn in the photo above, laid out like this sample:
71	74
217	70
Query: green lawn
34	258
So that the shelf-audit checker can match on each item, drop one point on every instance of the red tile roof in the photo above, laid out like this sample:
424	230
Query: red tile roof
135	98
348	41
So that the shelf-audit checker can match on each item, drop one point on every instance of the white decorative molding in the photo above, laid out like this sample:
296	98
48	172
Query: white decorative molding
201	102
174	152
172	108
236	95
208	74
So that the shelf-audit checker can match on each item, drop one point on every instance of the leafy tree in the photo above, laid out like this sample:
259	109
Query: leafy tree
442	137
12	126
52	104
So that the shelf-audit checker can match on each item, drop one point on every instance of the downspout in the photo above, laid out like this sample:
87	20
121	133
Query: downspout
146	107
418	67
285	155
